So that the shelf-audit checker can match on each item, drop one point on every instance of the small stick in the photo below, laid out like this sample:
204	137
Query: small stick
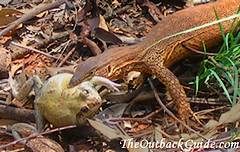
170	113
146	96
37	134
35	11
198	52
145	118
38	51
220	65
19	114
66	57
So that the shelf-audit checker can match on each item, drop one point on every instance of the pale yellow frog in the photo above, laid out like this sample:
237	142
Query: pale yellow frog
61	105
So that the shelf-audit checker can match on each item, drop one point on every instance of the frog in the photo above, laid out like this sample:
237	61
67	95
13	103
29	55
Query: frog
61	105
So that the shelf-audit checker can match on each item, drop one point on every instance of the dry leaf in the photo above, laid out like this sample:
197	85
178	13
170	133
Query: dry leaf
158	133
42	14
108	132
115	3
132	75
5	59
107	36
115	110
93	23
5	2
7	16
129	39
139	149
127	124
4	39
102	23
211	124
231	116
228	117
15	68
43	144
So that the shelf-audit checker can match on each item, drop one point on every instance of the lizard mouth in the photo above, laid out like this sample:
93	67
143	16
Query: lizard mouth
77	79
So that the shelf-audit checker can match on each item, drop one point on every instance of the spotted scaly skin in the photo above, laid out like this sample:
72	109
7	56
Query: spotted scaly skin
152	56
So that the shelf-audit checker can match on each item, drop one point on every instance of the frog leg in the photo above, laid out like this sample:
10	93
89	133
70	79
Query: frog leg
40	121
25	90
97	80
19	128
37	85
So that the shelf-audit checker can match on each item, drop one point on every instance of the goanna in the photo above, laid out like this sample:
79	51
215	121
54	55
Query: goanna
152	56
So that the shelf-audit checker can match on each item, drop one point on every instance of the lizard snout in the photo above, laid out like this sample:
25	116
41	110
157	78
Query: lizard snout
83	71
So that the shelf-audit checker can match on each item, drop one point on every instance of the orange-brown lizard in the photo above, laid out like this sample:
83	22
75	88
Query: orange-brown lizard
152	56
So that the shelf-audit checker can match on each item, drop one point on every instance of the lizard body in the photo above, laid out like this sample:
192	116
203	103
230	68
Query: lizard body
152	56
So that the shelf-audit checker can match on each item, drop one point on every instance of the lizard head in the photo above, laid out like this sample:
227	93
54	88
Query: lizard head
108	64
100	65
84	70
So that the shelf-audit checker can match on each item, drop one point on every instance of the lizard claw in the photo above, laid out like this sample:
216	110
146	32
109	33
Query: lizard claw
97	80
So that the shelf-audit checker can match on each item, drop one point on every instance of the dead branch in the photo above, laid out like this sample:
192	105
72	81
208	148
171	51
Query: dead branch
19	114
39	9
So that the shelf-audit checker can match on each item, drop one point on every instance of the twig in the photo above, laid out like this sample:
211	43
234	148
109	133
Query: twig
19	114
206	111
136	119
3	102
34	50
198	52
147	96
65	45
52	38
66	57
170	113
37	134
220	65
209	101
37	51
35	11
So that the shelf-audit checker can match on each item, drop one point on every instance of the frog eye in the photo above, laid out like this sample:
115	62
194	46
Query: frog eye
85	91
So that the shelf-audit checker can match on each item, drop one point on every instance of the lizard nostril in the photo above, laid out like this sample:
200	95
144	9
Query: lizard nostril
109	69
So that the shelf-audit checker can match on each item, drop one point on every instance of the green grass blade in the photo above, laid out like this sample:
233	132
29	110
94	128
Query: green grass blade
235	85
221	84
196	85
220	25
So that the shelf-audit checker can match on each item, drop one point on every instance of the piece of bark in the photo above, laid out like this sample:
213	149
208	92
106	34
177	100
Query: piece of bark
92	46
106	36
42	144
19	114
5	59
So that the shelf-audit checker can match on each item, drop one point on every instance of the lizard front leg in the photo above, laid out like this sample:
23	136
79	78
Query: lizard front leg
175	89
